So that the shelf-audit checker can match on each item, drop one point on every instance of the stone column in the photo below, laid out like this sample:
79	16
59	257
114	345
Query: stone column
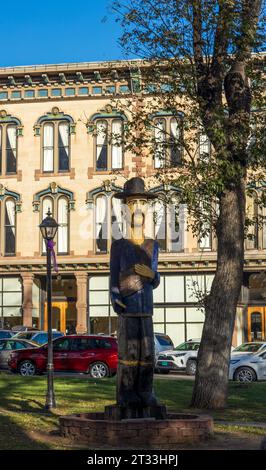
82	282
27	281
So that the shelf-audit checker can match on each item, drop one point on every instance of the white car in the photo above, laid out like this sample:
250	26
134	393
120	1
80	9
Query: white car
248	367
183	357
249	348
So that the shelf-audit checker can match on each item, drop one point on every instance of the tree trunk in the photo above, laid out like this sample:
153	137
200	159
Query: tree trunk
211	382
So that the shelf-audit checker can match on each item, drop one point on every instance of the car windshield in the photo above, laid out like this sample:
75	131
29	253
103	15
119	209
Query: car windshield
248	347
190	346
164	340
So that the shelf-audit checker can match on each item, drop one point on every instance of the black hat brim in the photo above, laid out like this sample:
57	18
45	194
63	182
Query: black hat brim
124	195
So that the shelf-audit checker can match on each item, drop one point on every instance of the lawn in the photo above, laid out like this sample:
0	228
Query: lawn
24	424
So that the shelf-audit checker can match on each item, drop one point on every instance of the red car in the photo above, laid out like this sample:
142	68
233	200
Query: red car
96	355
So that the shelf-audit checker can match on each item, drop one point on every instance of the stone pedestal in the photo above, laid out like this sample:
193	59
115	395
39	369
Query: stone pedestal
117	412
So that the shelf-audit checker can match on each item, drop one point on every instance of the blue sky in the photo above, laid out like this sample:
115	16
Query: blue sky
52	31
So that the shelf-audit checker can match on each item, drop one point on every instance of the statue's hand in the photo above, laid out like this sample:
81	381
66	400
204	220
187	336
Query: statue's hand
144	271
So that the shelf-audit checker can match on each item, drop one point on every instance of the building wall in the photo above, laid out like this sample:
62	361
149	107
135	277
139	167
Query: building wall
175	312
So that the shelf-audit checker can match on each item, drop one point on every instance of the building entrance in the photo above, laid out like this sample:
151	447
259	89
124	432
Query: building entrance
63	316
256	323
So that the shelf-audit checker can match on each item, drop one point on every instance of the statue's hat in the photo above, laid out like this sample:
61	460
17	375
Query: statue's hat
135	187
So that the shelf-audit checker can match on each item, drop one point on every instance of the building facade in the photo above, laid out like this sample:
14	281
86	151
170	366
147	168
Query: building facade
55	154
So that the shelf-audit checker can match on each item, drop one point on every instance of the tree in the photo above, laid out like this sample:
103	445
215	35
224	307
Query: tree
203	65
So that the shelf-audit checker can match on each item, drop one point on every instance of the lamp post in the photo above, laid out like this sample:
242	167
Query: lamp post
48	229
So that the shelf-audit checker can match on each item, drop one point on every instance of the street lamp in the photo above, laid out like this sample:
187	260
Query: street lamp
48	229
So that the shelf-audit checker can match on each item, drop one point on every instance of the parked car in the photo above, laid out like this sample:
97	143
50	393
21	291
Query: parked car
249	348
162	342
183	357
248	367
6	334
93	354
9	345
39	337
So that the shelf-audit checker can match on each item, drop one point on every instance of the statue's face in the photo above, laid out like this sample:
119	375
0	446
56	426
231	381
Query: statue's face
137	210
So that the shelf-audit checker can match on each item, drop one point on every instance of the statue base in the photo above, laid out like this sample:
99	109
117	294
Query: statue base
118	413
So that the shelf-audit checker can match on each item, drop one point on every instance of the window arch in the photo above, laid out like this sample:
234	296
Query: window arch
10	128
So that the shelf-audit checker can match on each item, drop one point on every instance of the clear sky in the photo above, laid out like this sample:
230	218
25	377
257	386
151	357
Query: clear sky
52	31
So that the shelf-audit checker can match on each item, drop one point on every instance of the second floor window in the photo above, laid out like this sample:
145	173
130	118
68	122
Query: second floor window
59	208
56	147
8	149
167	142
204	146
109	144
108	222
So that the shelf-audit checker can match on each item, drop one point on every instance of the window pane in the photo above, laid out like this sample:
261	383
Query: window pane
47	205
48	147
96	90
204	146
29	94
3	95
56	92
11	149
43	93
174	288
117	156
101	145
63	143
83	90
110	89
70	91
175	147
101	224
117	219
10	227
63	225
160	224
160	128
1	149
16	95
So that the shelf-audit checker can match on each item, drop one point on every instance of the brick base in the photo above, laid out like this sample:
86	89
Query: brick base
93	429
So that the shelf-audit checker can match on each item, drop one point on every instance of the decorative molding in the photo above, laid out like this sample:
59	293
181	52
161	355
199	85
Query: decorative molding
39	174
107	113
4	193
107	188
53	189
6	118
54	115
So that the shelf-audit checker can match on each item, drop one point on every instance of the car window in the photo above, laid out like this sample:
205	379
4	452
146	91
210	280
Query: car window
188	346
2	345
19	345
164	340
101	343
40	338
5	334
9	345
62	345
248	347
80	344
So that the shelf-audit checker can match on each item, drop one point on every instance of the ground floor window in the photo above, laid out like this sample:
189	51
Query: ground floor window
10	302
175	305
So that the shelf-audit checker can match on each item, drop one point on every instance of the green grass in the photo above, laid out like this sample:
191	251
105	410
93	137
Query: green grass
24	424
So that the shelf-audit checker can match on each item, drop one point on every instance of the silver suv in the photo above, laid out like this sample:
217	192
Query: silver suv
183	357
162	342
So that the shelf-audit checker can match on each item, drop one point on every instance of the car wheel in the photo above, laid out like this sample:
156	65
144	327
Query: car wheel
27	368
245	374
98	370
191	367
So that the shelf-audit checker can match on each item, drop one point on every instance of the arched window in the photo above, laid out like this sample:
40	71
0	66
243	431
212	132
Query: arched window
62	226
101	224
117	219
108	144
167	141
10	227
251	242
166	223
47	206
204	146
8	145
56	146
58	205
